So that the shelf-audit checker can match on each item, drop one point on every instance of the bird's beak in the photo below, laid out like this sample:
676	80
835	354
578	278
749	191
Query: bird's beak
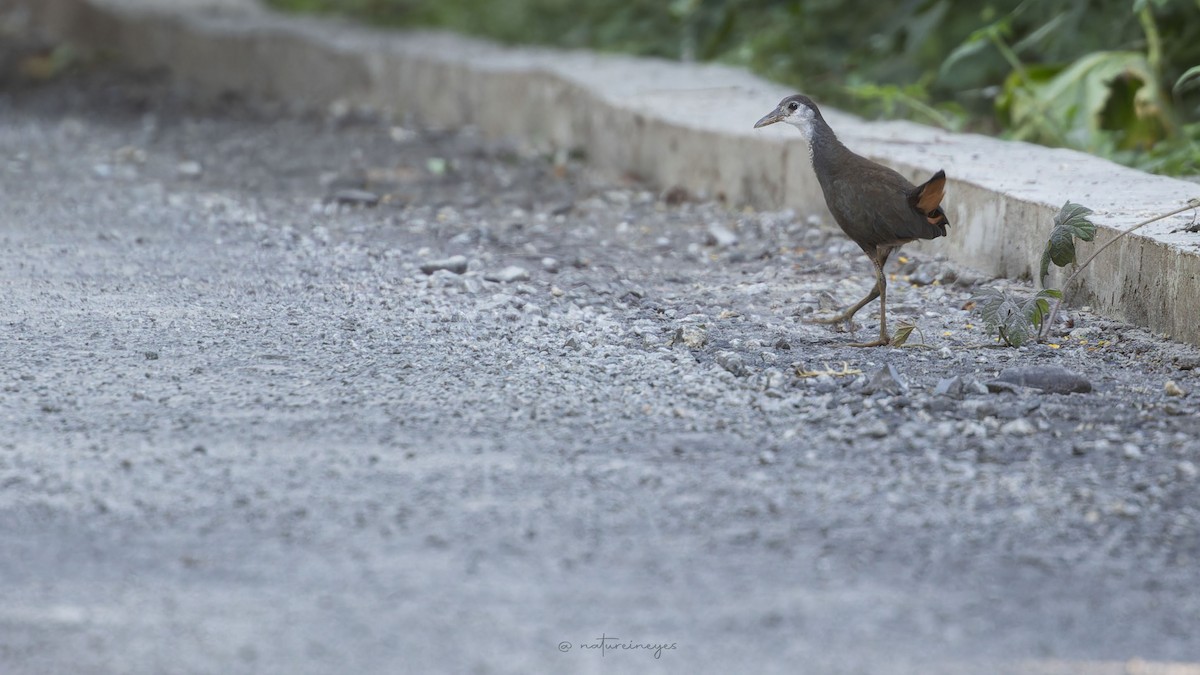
771	118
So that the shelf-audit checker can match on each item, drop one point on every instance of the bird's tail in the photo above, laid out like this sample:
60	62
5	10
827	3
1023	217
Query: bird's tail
926	199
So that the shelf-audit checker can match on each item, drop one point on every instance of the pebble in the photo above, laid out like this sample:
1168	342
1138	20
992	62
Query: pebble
508	275
959	386
455	263
692	337
1187	470
1017	427
1132	451
876	429
998	387
886	380
1173	389
354	197
721	236
189	169
1052	379
732	361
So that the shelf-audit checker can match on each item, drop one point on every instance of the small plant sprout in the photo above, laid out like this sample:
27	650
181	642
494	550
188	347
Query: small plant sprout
1016	318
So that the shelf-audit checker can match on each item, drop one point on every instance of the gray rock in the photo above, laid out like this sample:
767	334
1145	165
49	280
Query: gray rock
1018	427
189	169
354	197
508	275
998	387
733	362
692	337
1187	470
876	429
721	236
455	263
886	380
922	277
958	387
1052	379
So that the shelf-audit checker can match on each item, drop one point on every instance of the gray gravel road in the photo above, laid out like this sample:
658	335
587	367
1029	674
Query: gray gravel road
244	431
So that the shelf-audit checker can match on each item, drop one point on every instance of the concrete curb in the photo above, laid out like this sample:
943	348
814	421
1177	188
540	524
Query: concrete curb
675	124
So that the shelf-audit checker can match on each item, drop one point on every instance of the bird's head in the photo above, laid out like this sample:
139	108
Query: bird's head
797	110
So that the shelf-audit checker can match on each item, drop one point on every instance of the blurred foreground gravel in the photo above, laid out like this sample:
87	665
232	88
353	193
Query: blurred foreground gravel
299	392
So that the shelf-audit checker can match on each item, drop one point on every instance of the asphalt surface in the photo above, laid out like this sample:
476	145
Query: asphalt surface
245	432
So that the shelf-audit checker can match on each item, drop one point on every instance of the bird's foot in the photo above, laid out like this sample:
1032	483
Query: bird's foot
883	341
845	318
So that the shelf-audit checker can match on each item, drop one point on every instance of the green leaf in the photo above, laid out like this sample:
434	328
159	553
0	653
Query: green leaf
1017	319
1046	32
1101	95
1070	223
973	45
1037	308
1189	79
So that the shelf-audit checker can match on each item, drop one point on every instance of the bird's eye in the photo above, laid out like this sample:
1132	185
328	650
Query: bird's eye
792	106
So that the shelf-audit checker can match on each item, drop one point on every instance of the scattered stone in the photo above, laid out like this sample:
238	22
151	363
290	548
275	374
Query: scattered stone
732	361
455	263
998	387
1052	379
1173	389
958	387
550	264
1017	427
782	343
826	301
922	277
886	380
720	236
1187	470
151	356
675	195
1131	451
949	386
1187	362
353	197
876	429
945	353
508	275
189	169
692	337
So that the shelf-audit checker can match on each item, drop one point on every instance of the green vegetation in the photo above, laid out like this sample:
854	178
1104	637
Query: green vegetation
1018	318
1118	78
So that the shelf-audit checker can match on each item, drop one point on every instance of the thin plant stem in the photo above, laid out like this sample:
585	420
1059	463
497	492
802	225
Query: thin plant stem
1192	204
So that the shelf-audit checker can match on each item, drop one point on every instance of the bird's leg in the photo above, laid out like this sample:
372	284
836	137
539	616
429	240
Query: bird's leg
847	315
881	286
